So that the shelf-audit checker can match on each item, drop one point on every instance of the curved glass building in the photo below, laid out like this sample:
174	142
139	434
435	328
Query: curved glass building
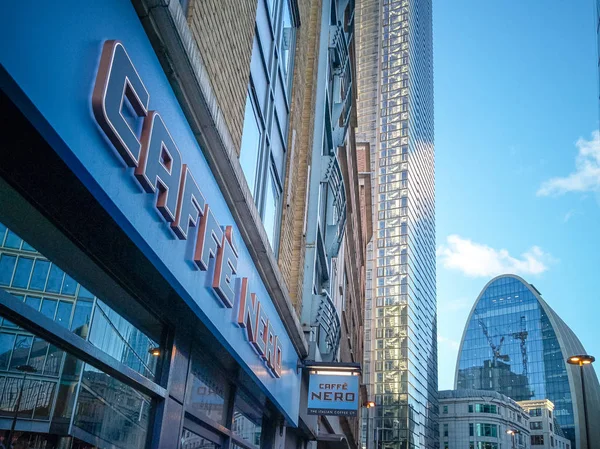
515	344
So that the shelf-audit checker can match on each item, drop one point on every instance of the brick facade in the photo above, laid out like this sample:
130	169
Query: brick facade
223	31
291	253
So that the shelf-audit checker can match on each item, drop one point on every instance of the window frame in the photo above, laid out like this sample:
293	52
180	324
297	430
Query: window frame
267	69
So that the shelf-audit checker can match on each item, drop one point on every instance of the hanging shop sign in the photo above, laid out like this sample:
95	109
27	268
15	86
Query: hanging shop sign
333	394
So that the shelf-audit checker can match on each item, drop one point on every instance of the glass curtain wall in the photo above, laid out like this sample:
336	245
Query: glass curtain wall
511	347
403	359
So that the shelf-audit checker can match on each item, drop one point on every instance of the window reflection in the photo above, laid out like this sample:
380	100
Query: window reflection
111	410
247	421
510	347
271	209
60	389
190	440
246	428
287	39
249	152
208	393
42	285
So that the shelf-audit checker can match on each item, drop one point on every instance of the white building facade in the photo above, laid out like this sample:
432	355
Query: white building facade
545	432
477	419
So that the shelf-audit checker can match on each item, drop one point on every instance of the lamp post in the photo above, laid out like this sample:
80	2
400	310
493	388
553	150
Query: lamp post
25	369
512	433
582	360
368	405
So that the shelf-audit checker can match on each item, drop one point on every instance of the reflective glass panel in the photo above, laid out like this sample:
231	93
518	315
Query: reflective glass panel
511	347
108	330
190	440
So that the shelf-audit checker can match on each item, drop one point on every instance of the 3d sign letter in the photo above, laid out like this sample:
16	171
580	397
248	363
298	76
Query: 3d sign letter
118	81
160	170
160	165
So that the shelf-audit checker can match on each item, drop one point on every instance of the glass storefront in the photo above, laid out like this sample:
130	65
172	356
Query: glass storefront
60	401
220	408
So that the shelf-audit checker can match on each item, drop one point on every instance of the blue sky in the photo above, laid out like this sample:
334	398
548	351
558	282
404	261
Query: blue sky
517	161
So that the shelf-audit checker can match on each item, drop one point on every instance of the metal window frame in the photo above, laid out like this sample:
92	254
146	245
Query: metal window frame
38	324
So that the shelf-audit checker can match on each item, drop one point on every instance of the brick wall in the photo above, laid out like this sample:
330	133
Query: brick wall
291	252
223	31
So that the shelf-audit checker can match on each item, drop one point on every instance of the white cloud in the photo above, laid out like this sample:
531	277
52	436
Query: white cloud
453	344
569	215
586	176
478	260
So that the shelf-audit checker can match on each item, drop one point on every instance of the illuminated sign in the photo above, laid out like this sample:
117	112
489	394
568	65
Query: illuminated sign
120	99
333	394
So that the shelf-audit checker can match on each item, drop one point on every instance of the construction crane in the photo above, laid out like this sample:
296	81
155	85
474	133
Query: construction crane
495	348
522	335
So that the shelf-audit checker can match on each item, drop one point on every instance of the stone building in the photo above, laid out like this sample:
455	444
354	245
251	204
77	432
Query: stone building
544	427
477	419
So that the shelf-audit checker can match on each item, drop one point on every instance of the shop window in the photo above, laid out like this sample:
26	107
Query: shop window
7	341
208	392
23	269
246	428
247	420
111	410
191	440
7	266
99	406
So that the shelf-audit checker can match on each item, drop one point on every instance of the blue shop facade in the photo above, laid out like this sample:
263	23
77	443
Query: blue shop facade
132	314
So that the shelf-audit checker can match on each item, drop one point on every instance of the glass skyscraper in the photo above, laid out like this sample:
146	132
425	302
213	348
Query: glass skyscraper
515	344
395	116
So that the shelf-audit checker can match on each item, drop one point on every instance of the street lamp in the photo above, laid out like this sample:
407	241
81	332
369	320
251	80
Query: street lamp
582	360
25	369
512	433
368	405
155	351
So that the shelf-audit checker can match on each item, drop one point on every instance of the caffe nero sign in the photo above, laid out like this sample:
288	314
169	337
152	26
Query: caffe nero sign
333	394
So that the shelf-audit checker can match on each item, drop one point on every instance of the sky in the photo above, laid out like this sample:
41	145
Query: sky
517	159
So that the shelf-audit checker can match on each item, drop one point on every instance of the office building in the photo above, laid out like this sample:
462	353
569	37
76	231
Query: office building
545	432
515	344
395	117
184	211
477	419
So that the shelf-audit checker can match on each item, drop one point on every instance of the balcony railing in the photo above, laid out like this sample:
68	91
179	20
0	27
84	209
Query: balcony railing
332	175
341	80
327	323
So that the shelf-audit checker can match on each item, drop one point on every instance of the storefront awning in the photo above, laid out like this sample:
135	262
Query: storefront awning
332	441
